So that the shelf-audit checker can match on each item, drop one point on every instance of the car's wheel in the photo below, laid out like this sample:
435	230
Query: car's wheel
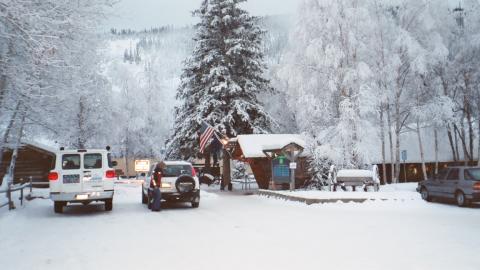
425	194
196	202
460	199
58	207
144	198
149	201
108	205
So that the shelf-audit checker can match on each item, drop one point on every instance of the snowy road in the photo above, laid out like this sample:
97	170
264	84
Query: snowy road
240	232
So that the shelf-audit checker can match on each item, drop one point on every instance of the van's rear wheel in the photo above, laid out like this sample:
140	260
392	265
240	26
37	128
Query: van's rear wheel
108	205
58	207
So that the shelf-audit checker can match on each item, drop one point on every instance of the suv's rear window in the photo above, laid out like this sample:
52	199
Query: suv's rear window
92	161
71	162
472	174
177	170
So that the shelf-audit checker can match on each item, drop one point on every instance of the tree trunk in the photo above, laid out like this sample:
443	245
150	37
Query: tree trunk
390	137
227	178
81	124
436	149
470	133
456	142
9	176
382	135
478	150
127	153
461	133
422	154
452	145
397	140
207	155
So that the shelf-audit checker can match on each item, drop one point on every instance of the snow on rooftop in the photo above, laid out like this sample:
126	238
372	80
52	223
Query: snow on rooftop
253	145
41	145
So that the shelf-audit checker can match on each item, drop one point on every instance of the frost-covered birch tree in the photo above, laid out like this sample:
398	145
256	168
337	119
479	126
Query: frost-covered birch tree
41	43
331	82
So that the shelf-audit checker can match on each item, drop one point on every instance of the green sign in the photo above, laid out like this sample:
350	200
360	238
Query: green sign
281	170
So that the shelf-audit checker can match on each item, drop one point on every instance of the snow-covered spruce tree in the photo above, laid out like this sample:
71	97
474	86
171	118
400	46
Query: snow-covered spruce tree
222	79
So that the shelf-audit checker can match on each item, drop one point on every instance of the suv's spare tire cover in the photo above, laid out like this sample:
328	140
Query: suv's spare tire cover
185	184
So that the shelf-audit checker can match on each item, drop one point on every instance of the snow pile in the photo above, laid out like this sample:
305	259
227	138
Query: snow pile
397	192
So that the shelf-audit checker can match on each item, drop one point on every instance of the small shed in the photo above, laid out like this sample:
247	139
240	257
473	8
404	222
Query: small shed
252	150
34	161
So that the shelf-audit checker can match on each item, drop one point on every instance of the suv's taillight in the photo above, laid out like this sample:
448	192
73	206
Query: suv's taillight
110	174
194	173
476	186
53	176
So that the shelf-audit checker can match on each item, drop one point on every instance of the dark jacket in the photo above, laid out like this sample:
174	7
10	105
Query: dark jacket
157	178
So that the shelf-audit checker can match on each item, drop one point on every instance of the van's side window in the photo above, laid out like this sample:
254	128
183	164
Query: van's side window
71	162
92	161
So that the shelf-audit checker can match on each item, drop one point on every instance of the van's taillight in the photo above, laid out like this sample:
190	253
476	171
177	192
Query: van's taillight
53	176
110	174
194	173
476	186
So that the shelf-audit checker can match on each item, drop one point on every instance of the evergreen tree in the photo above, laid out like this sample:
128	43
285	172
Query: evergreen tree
221	81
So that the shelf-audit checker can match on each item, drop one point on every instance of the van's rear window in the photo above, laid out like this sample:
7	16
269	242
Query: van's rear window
472	174
92	161
71	162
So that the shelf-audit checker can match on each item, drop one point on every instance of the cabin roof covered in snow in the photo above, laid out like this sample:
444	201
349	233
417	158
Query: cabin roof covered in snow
253	145
38	145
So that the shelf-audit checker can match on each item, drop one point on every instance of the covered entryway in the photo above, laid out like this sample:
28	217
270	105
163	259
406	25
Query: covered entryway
34	162
252	150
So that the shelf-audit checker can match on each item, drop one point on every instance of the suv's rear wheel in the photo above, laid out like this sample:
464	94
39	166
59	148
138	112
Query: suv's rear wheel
460	199
108	205
58	207
196	202
425	194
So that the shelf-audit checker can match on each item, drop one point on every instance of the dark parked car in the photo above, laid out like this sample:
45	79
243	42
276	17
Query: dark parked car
459	183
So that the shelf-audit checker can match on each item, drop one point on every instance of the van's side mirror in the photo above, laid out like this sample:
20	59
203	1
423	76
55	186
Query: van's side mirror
114	163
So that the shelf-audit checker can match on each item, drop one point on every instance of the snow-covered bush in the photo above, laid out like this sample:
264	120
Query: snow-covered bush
239	170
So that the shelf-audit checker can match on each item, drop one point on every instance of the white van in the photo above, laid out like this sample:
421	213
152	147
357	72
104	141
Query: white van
82	176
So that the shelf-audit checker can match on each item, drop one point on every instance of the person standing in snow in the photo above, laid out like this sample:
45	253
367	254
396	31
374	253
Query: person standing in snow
155	184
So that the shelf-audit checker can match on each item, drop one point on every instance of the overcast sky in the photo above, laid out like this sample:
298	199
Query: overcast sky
139	14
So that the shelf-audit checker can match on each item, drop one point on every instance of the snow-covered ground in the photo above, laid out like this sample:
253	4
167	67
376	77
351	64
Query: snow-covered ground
388	192
233	231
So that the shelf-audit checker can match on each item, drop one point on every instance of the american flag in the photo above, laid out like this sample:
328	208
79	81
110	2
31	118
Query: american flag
207	132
